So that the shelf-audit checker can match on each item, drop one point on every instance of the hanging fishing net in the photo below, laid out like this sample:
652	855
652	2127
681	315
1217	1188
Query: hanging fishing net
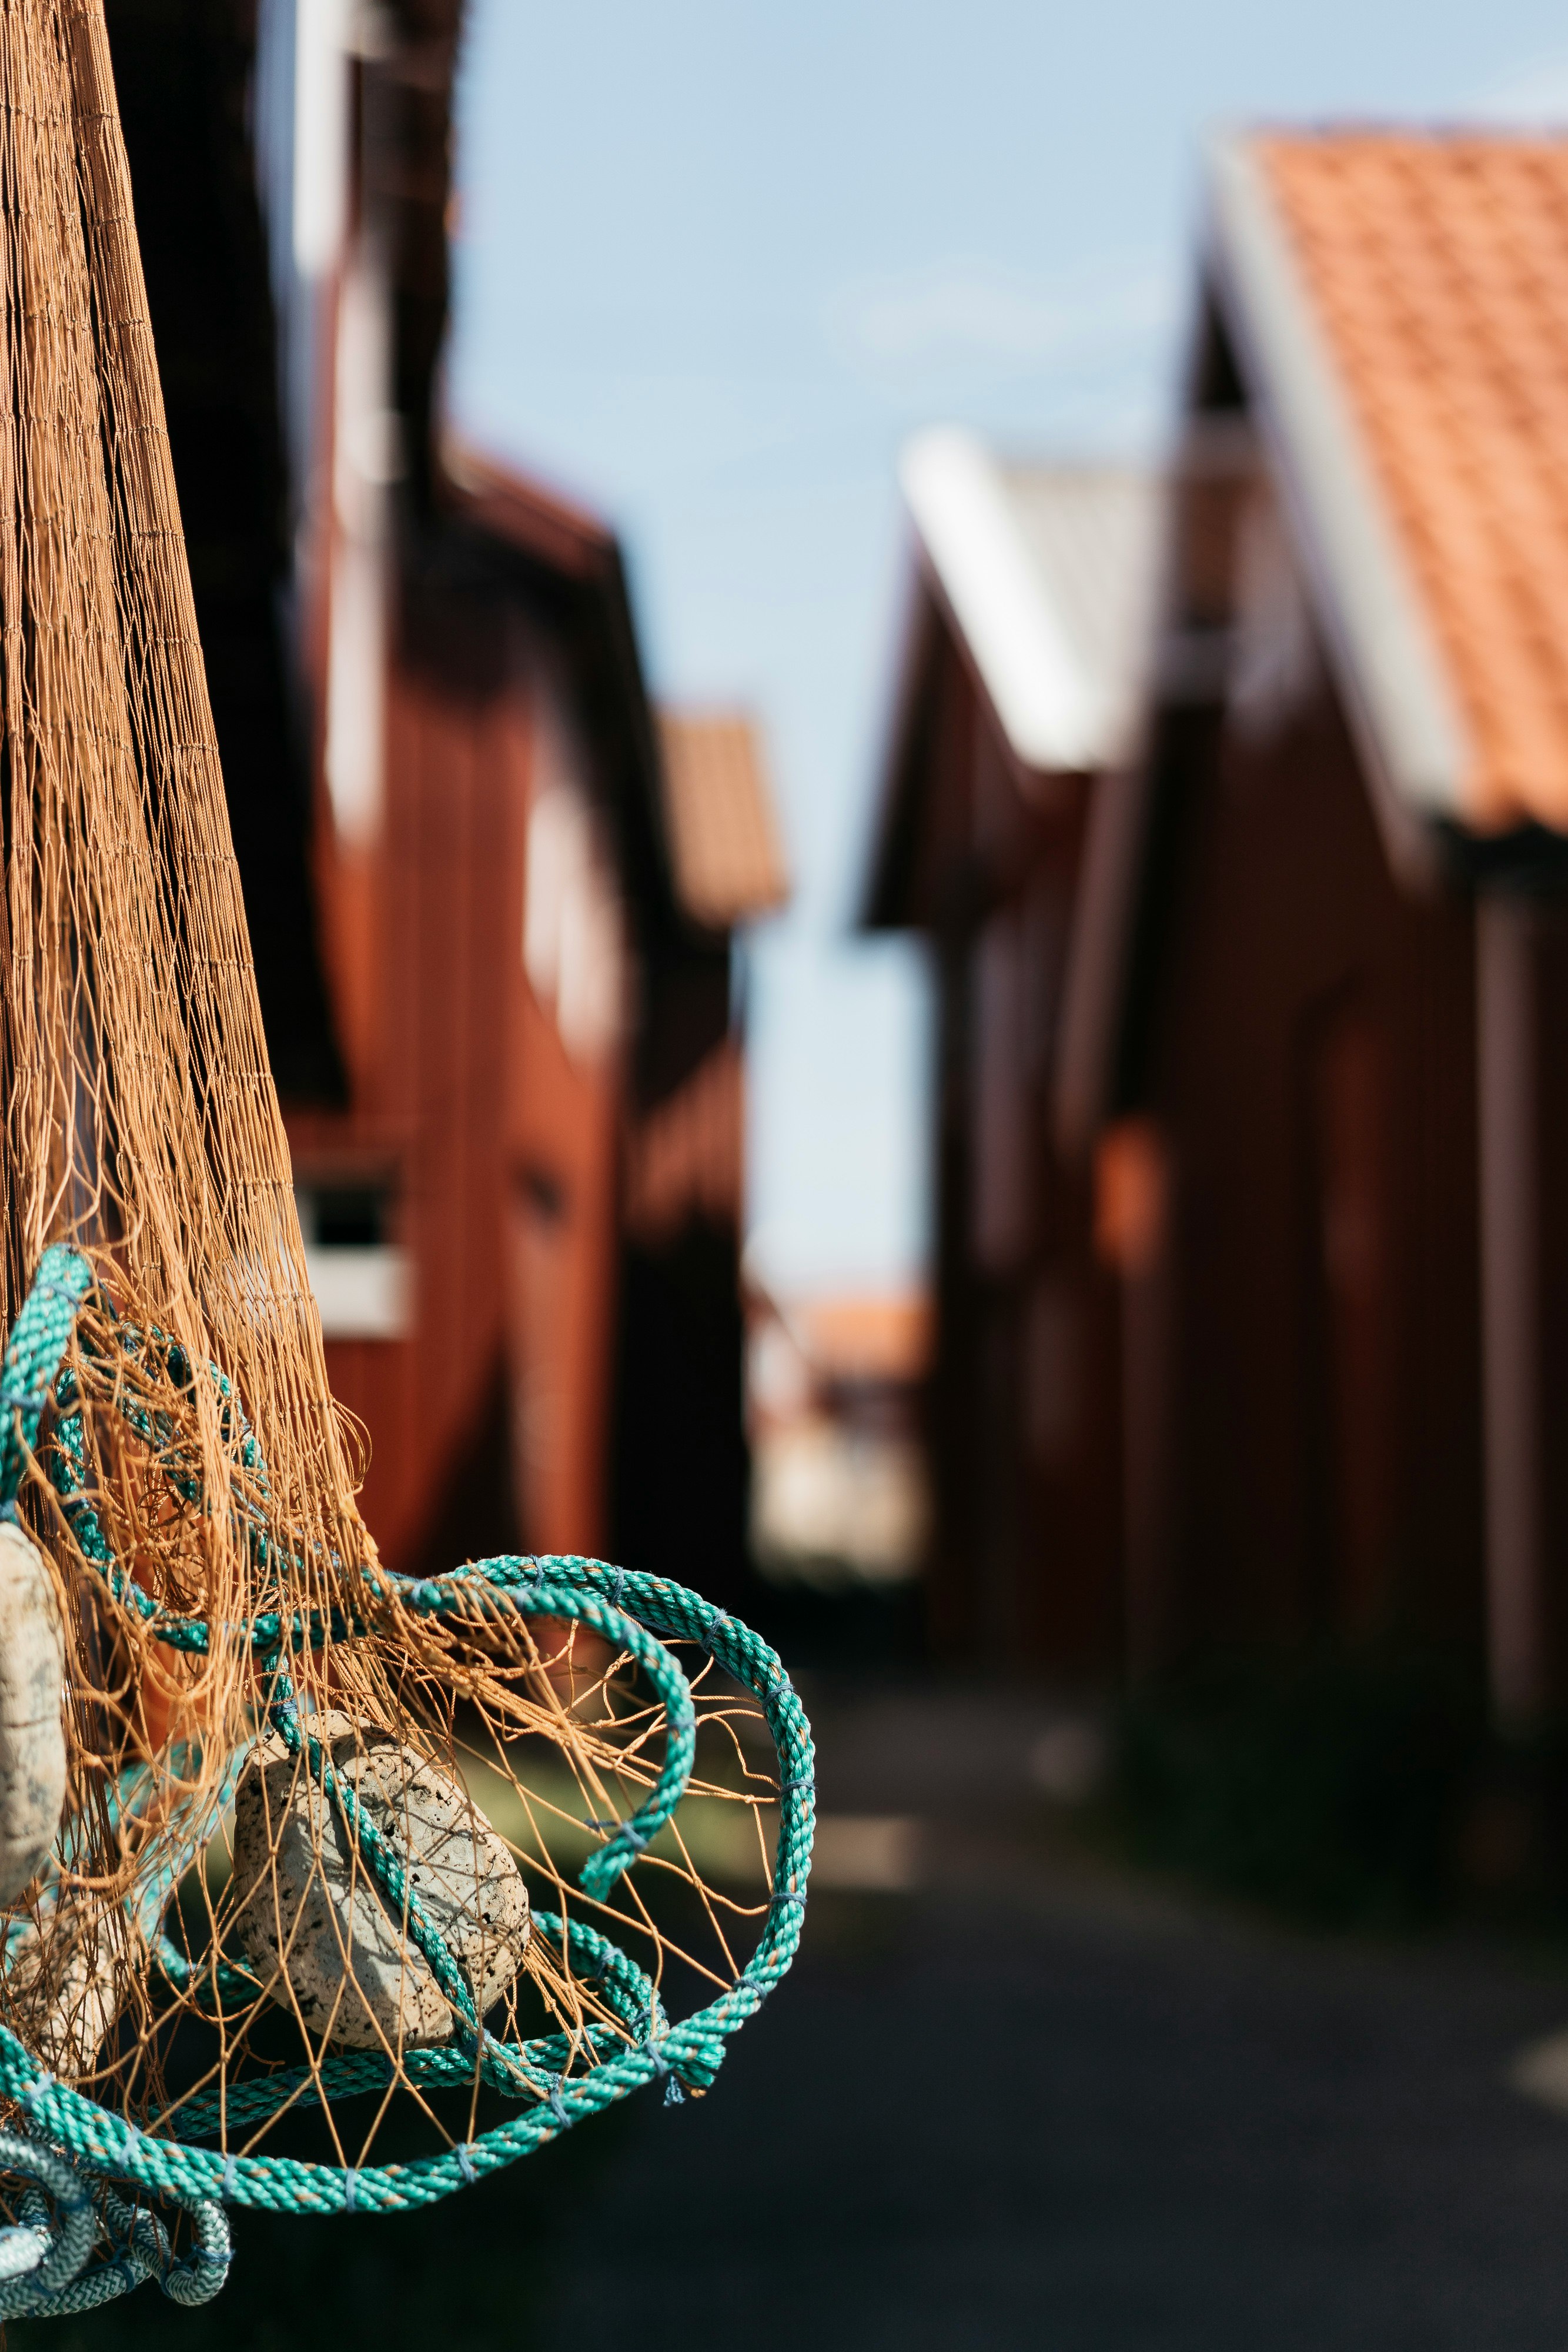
322	1888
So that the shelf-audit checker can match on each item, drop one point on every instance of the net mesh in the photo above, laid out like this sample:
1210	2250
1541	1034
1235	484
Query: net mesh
201	1952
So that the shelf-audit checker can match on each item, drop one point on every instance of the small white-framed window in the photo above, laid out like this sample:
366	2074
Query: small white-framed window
362	1282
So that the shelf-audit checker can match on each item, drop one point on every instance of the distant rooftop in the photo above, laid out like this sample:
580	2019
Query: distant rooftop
876	1336
1050	573
723	838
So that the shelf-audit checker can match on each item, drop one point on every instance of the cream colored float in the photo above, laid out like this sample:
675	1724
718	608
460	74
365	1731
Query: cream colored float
61	1997
66	1977
314	1926
32	1719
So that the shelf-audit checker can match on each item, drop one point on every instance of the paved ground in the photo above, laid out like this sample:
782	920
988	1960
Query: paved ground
1030	2106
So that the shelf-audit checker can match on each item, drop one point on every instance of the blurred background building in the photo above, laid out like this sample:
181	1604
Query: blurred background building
1328	976
1237	813
1226	792
835	1389
1020	695
493	893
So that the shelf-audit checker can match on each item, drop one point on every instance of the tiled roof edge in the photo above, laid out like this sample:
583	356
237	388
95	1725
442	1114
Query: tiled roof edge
1373	614
1050	714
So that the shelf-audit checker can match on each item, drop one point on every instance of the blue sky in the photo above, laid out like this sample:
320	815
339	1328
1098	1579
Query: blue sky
716	260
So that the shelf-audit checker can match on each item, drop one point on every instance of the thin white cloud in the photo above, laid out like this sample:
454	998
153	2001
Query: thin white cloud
975	310
1534	96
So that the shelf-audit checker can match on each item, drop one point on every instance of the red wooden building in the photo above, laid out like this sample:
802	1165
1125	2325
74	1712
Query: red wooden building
1261	1001
1018	700
1320	1018
505	1036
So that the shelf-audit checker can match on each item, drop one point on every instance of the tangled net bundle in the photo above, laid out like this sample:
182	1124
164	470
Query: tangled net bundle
361	1886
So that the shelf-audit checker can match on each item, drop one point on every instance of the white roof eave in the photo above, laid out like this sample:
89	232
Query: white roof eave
1373	616
1053	719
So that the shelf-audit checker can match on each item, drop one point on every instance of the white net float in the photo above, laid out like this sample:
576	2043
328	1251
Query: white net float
314	1924
32	1726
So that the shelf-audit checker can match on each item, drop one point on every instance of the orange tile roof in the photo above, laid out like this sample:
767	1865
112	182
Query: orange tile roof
880	1336
725	848
685	1158
1437	266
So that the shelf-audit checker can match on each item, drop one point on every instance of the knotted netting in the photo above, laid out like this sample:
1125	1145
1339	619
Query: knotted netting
320	1887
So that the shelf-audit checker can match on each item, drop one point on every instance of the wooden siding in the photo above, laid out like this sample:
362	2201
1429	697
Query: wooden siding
1021	1421
487	1421
1308	1054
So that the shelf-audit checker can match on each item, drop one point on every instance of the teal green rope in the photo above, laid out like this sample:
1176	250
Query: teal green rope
39	1340
82	2141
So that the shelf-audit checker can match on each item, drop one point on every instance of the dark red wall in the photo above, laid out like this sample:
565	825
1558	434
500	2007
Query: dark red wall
1308	1048
1021	1407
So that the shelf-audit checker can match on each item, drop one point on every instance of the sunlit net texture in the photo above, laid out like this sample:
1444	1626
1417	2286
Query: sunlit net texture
428	1751
141	1119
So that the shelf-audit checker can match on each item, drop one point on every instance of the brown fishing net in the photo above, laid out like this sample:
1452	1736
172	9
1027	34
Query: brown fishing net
322	1833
